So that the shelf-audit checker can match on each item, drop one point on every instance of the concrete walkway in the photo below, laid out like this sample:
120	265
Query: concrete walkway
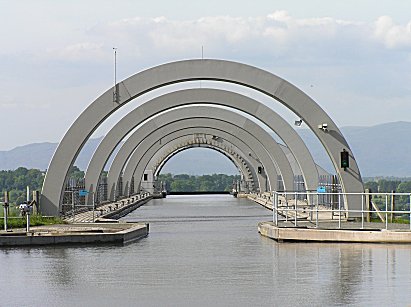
109	211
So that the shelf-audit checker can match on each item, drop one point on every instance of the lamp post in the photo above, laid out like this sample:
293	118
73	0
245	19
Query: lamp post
6	208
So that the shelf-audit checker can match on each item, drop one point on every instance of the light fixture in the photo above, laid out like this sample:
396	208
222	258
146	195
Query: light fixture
323	127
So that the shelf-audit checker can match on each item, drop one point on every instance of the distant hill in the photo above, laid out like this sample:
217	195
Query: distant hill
382	150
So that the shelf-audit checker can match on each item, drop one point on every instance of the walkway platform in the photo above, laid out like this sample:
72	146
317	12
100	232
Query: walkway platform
329	232
96	233
110	211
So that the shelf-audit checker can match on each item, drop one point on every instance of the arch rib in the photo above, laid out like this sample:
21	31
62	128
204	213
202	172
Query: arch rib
217	70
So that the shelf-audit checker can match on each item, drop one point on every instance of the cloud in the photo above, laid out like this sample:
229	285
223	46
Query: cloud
392	35
276	35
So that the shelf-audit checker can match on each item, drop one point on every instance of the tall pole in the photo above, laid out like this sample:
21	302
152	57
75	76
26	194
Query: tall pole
6	208
28	195
115	93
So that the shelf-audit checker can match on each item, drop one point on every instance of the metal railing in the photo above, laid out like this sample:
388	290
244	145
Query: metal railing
101	209
289	205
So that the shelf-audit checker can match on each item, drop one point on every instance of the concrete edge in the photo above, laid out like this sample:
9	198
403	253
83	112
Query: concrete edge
125	236
281	234
123	211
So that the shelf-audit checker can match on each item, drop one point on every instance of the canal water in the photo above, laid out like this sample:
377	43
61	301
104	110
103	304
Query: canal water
206	251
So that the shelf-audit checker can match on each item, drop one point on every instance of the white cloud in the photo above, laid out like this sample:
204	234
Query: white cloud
392	35
278	34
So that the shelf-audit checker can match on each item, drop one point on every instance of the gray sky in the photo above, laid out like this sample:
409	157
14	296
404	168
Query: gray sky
352	57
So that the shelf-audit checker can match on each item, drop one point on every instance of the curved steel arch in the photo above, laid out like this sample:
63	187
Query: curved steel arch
163	158
267	142
244	169
185	142
246	144
151	145
217	70
208	96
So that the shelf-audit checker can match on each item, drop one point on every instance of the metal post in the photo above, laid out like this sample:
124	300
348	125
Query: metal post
286	207
392	207
368	204
316	209
5	215
6	209
295	204
386	211
94	205
275	211
410	211
311	206
72	204
362	211
339	210
28	219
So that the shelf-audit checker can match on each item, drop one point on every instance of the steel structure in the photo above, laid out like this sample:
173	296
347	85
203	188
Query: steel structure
190	70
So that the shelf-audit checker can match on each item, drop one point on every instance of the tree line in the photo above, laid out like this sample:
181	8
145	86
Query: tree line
16	182
203	183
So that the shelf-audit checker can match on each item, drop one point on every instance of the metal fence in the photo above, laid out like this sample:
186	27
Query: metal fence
289	205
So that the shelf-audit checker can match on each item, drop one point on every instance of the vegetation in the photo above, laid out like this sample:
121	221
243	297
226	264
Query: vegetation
381	185
209	183
17	181
35	220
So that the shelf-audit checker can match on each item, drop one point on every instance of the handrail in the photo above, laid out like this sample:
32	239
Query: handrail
315	208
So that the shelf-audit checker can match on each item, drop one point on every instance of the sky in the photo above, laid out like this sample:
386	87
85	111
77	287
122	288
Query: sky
352	57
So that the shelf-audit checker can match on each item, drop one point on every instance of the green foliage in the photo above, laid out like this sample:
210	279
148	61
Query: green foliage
35	220
204	183
17	181
381	185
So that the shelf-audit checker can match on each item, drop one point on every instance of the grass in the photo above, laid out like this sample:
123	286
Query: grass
35	220
397	220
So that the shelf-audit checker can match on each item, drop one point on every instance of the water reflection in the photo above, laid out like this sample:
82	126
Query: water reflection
203	252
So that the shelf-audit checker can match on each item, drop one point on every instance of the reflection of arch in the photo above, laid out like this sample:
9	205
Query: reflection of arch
160	138
190	70
250	128
196	96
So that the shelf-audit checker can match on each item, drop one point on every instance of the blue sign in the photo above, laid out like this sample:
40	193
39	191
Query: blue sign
321	190
83	193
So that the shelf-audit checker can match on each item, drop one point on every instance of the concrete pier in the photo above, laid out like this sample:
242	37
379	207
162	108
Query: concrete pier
352	232
96	233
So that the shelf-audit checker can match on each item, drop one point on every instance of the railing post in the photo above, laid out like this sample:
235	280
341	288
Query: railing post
392	207
339	210
368	204
316	212
362	211
72	204
386	211
311	206
295	204
410	211
275	208
94	206
286	207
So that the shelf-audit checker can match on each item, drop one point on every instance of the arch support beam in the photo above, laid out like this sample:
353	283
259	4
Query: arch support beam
243	127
